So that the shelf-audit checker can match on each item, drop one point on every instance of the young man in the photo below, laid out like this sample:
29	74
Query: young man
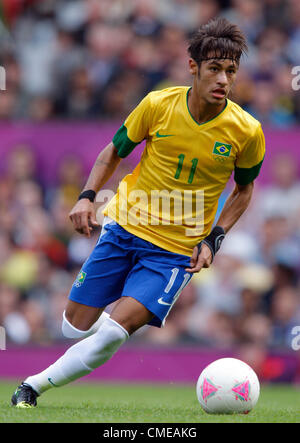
149	249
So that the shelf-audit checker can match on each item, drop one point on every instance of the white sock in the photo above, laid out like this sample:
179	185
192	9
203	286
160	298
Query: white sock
82	358
104	316
70	331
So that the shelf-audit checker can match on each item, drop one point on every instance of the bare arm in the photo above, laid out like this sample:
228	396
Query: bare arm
234	207
83	214
104	166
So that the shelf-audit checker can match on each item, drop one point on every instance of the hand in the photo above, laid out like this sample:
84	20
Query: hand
202	260
83	217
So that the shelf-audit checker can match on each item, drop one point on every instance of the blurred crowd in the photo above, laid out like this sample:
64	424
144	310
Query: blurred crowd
85	59
90	59
249	296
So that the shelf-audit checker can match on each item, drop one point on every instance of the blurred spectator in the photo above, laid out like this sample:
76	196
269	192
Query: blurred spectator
285	314
255	329
264	107
41	108
207	10
77	100
91	59
21	163
249	16
276	13
8	105
294	31
284	191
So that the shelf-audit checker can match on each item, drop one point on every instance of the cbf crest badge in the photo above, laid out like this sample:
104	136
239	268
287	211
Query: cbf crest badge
80	279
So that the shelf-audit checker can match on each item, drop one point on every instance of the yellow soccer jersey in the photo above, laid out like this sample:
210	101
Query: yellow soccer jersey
171	197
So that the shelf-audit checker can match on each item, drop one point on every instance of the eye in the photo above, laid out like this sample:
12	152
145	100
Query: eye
213	69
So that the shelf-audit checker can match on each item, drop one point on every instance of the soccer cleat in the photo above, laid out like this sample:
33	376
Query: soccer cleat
24	397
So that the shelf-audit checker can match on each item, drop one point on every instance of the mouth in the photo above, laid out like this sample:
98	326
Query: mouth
219	93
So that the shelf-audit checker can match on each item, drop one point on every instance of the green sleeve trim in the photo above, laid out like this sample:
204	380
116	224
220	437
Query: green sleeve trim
123	143
244	176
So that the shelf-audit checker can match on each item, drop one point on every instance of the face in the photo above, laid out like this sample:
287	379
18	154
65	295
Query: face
214	79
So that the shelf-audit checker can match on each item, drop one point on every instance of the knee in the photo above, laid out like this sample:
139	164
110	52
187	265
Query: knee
129	323
69	330
81	320
104	343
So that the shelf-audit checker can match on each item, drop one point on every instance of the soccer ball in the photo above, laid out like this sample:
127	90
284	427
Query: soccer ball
228	386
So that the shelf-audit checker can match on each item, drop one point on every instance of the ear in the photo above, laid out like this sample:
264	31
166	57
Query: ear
193	67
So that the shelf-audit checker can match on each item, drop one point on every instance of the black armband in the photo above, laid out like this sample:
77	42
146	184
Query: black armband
90	194
213	240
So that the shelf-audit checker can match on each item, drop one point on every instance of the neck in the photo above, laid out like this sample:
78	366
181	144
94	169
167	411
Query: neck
201	110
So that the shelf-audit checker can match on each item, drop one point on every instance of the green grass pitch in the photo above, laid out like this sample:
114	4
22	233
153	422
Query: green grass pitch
120	403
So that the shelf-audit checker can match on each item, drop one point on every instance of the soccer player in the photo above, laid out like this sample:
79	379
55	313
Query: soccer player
158	230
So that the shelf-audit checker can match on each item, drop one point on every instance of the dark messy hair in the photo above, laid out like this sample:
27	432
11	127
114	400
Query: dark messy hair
217	39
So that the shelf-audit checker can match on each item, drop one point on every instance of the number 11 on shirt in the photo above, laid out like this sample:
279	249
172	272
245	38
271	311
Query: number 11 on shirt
192	171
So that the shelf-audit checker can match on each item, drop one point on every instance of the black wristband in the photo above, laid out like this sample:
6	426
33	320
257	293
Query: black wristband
90	194
213	240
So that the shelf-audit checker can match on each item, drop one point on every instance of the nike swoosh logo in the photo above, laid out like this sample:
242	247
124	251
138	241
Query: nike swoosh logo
161	302
50	381
162	135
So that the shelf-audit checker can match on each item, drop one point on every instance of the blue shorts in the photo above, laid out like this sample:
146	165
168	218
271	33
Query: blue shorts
123	265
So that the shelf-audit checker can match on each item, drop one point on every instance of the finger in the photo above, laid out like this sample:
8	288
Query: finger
84	221
79	224
201	263
76	221
93	220
193	270
196	268
194	259
207	254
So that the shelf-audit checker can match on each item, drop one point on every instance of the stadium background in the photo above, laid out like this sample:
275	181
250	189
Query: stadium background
74	70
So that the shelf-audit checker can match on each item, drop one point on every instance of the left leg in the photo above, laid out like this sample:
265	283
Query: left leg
80	321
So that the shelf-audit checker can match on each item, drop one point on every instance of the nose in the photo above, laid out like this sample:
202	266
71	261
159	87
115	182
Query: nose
222	79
